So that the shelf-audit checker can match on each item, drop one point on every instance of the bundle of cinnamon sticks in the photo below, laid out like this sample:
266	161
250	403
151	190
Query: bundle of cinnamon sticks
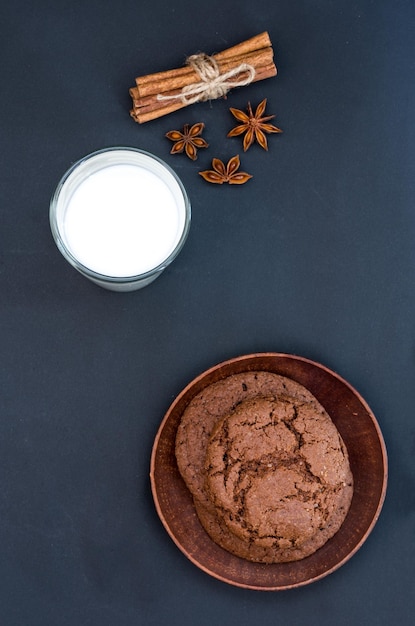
155	95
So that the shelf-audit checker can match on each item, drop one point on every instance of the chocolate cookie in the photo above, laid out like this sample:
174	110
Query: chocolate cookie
278	475
213	403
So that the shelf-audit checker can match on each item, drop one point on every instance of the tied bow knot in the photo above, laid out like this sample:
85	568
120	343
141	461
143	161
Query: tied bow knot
212	83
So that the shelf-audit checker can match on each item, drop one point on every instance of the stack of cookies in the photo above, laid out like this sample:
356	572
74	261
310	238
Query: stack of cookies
268	470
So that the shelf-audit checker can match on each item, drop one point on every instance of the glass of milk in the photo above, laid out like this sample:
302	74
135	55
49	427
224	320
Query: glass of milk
120	216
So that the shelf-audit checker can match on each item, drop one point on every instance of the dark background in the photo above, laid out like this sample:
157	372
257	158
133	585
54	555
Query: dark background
314	256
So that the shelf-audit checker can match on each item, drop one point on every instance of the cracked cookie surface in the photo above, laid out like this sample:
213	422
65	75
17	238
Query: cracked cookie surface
209	406
278	474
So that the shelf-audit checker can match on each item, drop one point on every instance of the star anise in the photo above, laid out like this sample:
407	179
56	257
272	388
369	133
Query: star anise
226	174
188	140
254	125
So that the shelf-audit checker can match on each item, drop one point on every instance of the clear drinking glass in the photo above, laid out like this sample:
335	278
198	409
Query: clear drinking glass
120	216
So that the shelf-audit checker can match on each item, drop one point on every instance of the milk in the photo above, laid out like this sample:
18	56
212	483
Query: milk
122	221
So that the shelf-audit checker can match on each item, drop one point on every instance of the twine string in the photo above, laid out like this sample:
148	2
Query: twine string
212	83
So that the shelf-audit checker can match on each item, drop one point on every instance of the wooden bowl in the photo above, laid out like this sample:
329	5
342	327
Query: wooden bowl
368	460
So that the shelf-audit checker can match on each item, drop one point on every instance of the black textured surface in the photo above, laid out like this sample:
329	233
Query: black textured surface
314	256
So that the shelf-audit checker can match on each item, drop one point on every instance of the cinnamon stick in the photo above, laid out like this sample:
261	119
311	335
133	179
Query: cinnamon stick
250	45
158	94
170	96
178	80
153	109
